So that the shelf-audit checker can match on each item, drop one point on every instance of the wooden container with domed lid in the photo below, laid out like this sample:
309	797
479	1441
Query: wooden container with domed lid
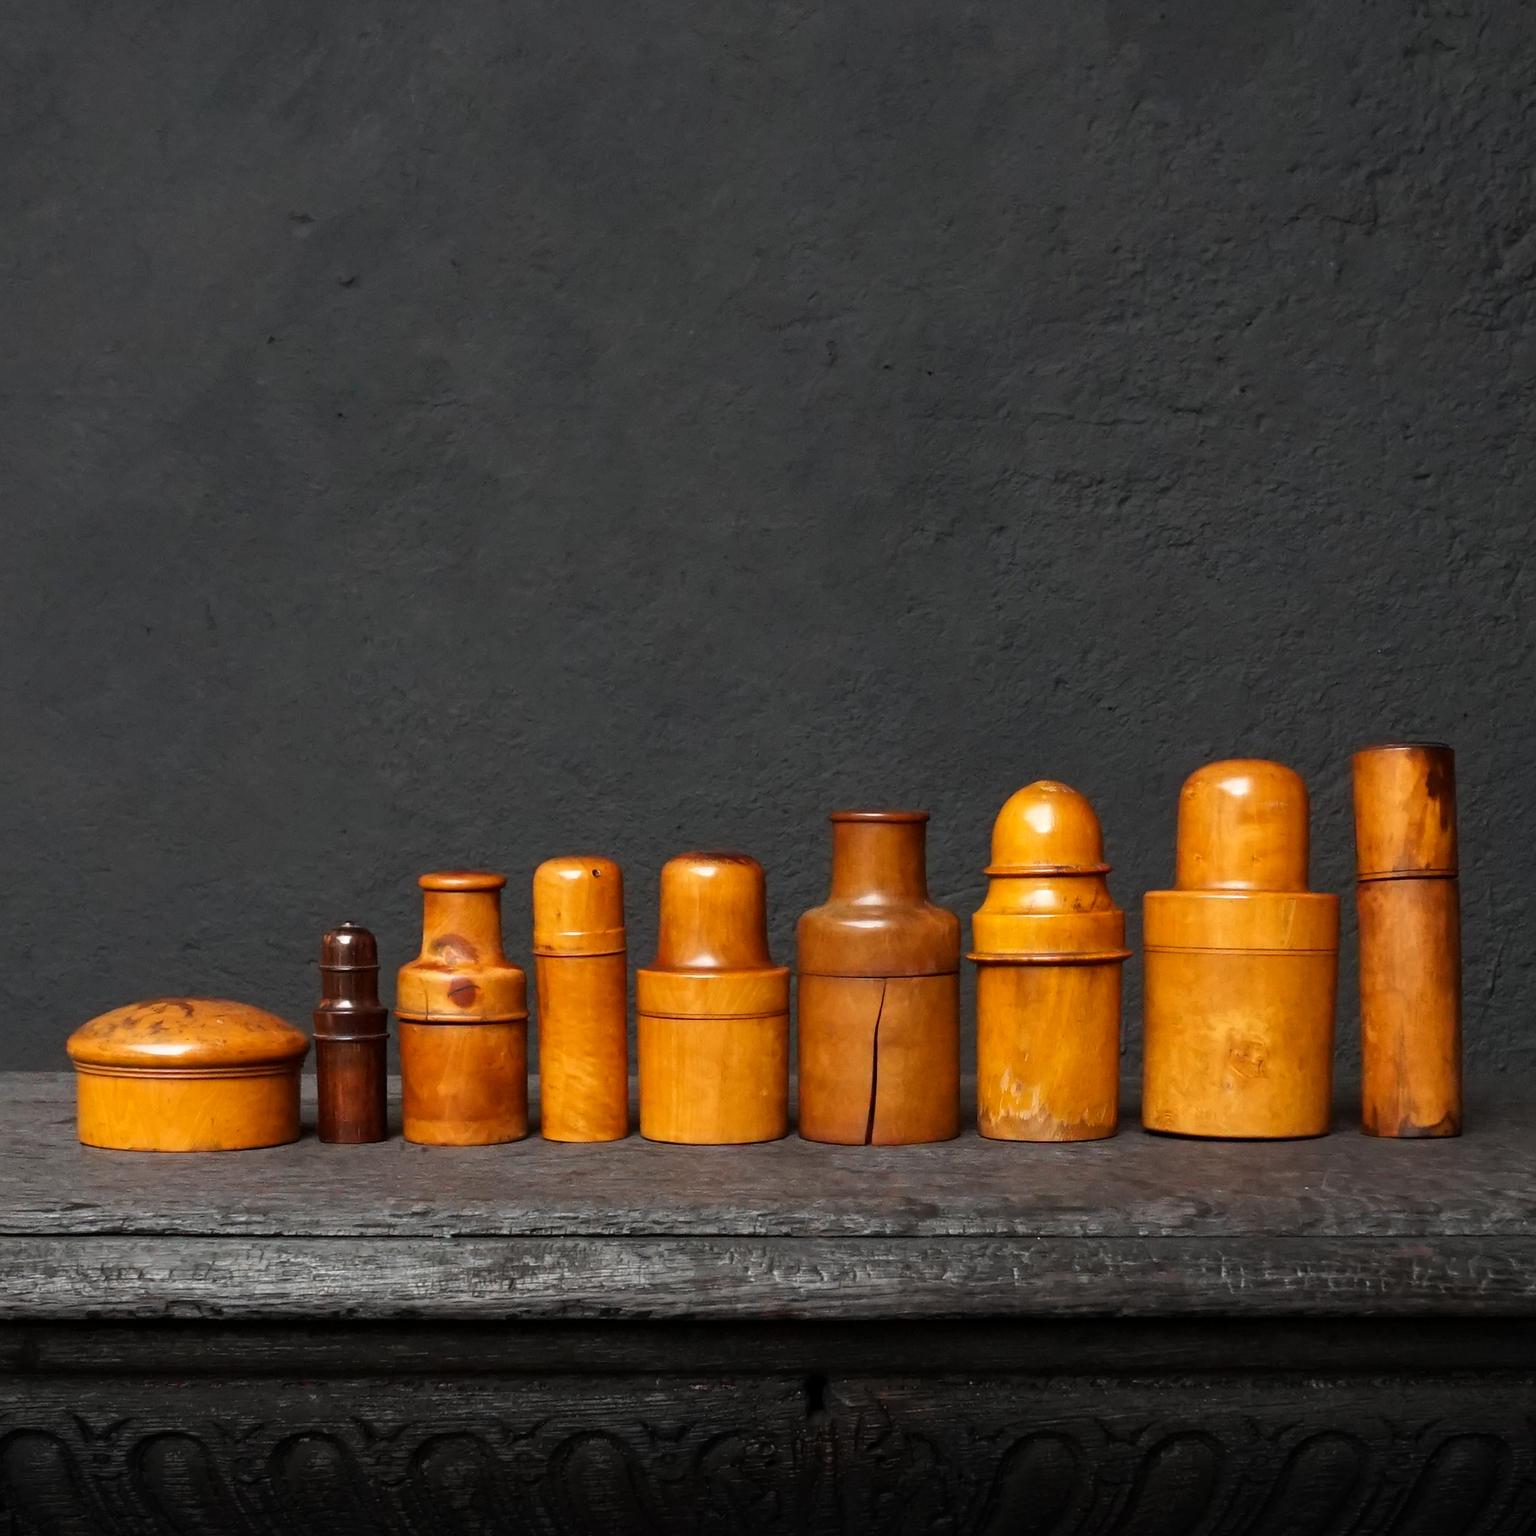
187	1074
1050	945
1241	965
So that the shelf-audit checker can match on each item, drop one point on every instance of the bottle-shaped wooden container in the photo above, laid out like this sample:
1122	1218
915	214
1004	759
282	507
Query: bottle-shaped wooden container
878	968
187	1074
1241	965
582	975
463	1012
1409	906
713	1009
351	1039
1050	944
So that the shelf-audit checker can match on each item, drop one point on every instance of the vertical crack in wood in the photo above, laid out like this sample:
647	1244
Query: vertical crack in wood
874	1069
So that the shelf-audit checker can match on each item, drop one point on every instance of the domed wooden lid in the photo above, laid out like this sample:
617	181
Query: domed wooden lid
177	1034
714	914
578	906
1242	827
1047	828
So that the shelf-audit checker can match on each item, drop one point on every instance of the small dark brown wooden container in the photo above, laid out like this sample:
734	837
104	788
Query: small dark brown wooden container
879	979
351	1039
1409	905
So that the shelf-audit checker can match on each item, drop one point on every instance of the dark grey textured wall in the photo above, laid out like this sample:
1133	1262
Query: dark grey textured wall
439	434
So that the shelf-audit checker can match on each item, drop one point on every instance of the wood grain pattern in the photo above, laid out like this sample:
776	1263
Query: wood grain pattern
1241	965
582	976
463	1009
1139	1225
187	1074
1409	905
879	1002
712	1009
1050	943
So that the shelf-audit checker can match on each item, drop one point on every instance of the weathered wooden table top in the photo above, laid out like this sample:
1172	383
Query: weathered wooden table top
1137	1226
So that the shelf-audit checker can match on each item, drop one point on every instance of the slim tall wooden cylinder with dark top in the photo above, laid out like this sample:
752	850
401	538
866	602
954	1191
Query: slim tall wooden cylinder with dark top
1409	905
351	1039
1050	944
878	966
582	977
712	1009
1241	965
463	1010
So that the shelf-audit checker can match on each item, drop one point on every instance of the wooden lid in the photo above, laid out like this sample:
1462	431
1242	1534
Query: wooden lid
1047	900
187	1034
578	906
1047	828
877	920
714	914
462	975
1242	827
712	955
1405	810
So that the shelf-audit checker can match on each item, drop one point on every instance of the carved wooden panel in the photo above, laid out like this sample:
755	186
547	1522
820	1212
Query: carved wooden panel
925	1456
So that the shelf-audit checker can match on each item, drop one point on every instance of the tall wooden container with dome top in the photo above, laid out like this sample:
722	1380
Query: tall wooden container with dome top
1049	948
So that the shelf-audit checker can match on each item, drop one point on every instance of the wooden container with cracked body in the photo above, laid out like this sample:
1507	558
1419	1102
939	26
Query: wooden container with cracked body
1050	945
878	971
463	1011
712	1009
1241	965
187	1074
351	1040
1409	906
582	976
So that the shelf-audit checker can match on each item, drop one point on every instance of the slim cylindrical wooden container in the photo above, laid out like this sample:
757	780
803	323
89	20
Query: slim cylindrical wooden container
1241	965
878	968
1050	944
1409	906
713	1009
582	975
463	1012
351	1039
187	1074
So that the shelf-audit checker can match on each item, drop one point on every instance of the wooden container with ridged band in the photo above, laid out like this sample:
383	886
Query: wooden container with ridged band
582	978
187	1074
1050	945
351	1040
878	971
1241	965
1408	901
712	1009
463	1010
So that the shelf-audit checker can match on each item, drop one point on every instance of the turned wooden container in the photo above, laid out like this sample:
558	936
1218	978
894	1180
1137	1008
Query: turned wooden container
463	1012
582	977
878	971
187	1074
1050	944
1241	965
713	1009
351	1039
1409	906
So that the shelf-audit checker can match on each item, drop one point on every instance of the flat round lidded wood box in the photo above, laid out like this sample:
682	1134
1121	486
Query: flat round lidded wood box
187	1074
